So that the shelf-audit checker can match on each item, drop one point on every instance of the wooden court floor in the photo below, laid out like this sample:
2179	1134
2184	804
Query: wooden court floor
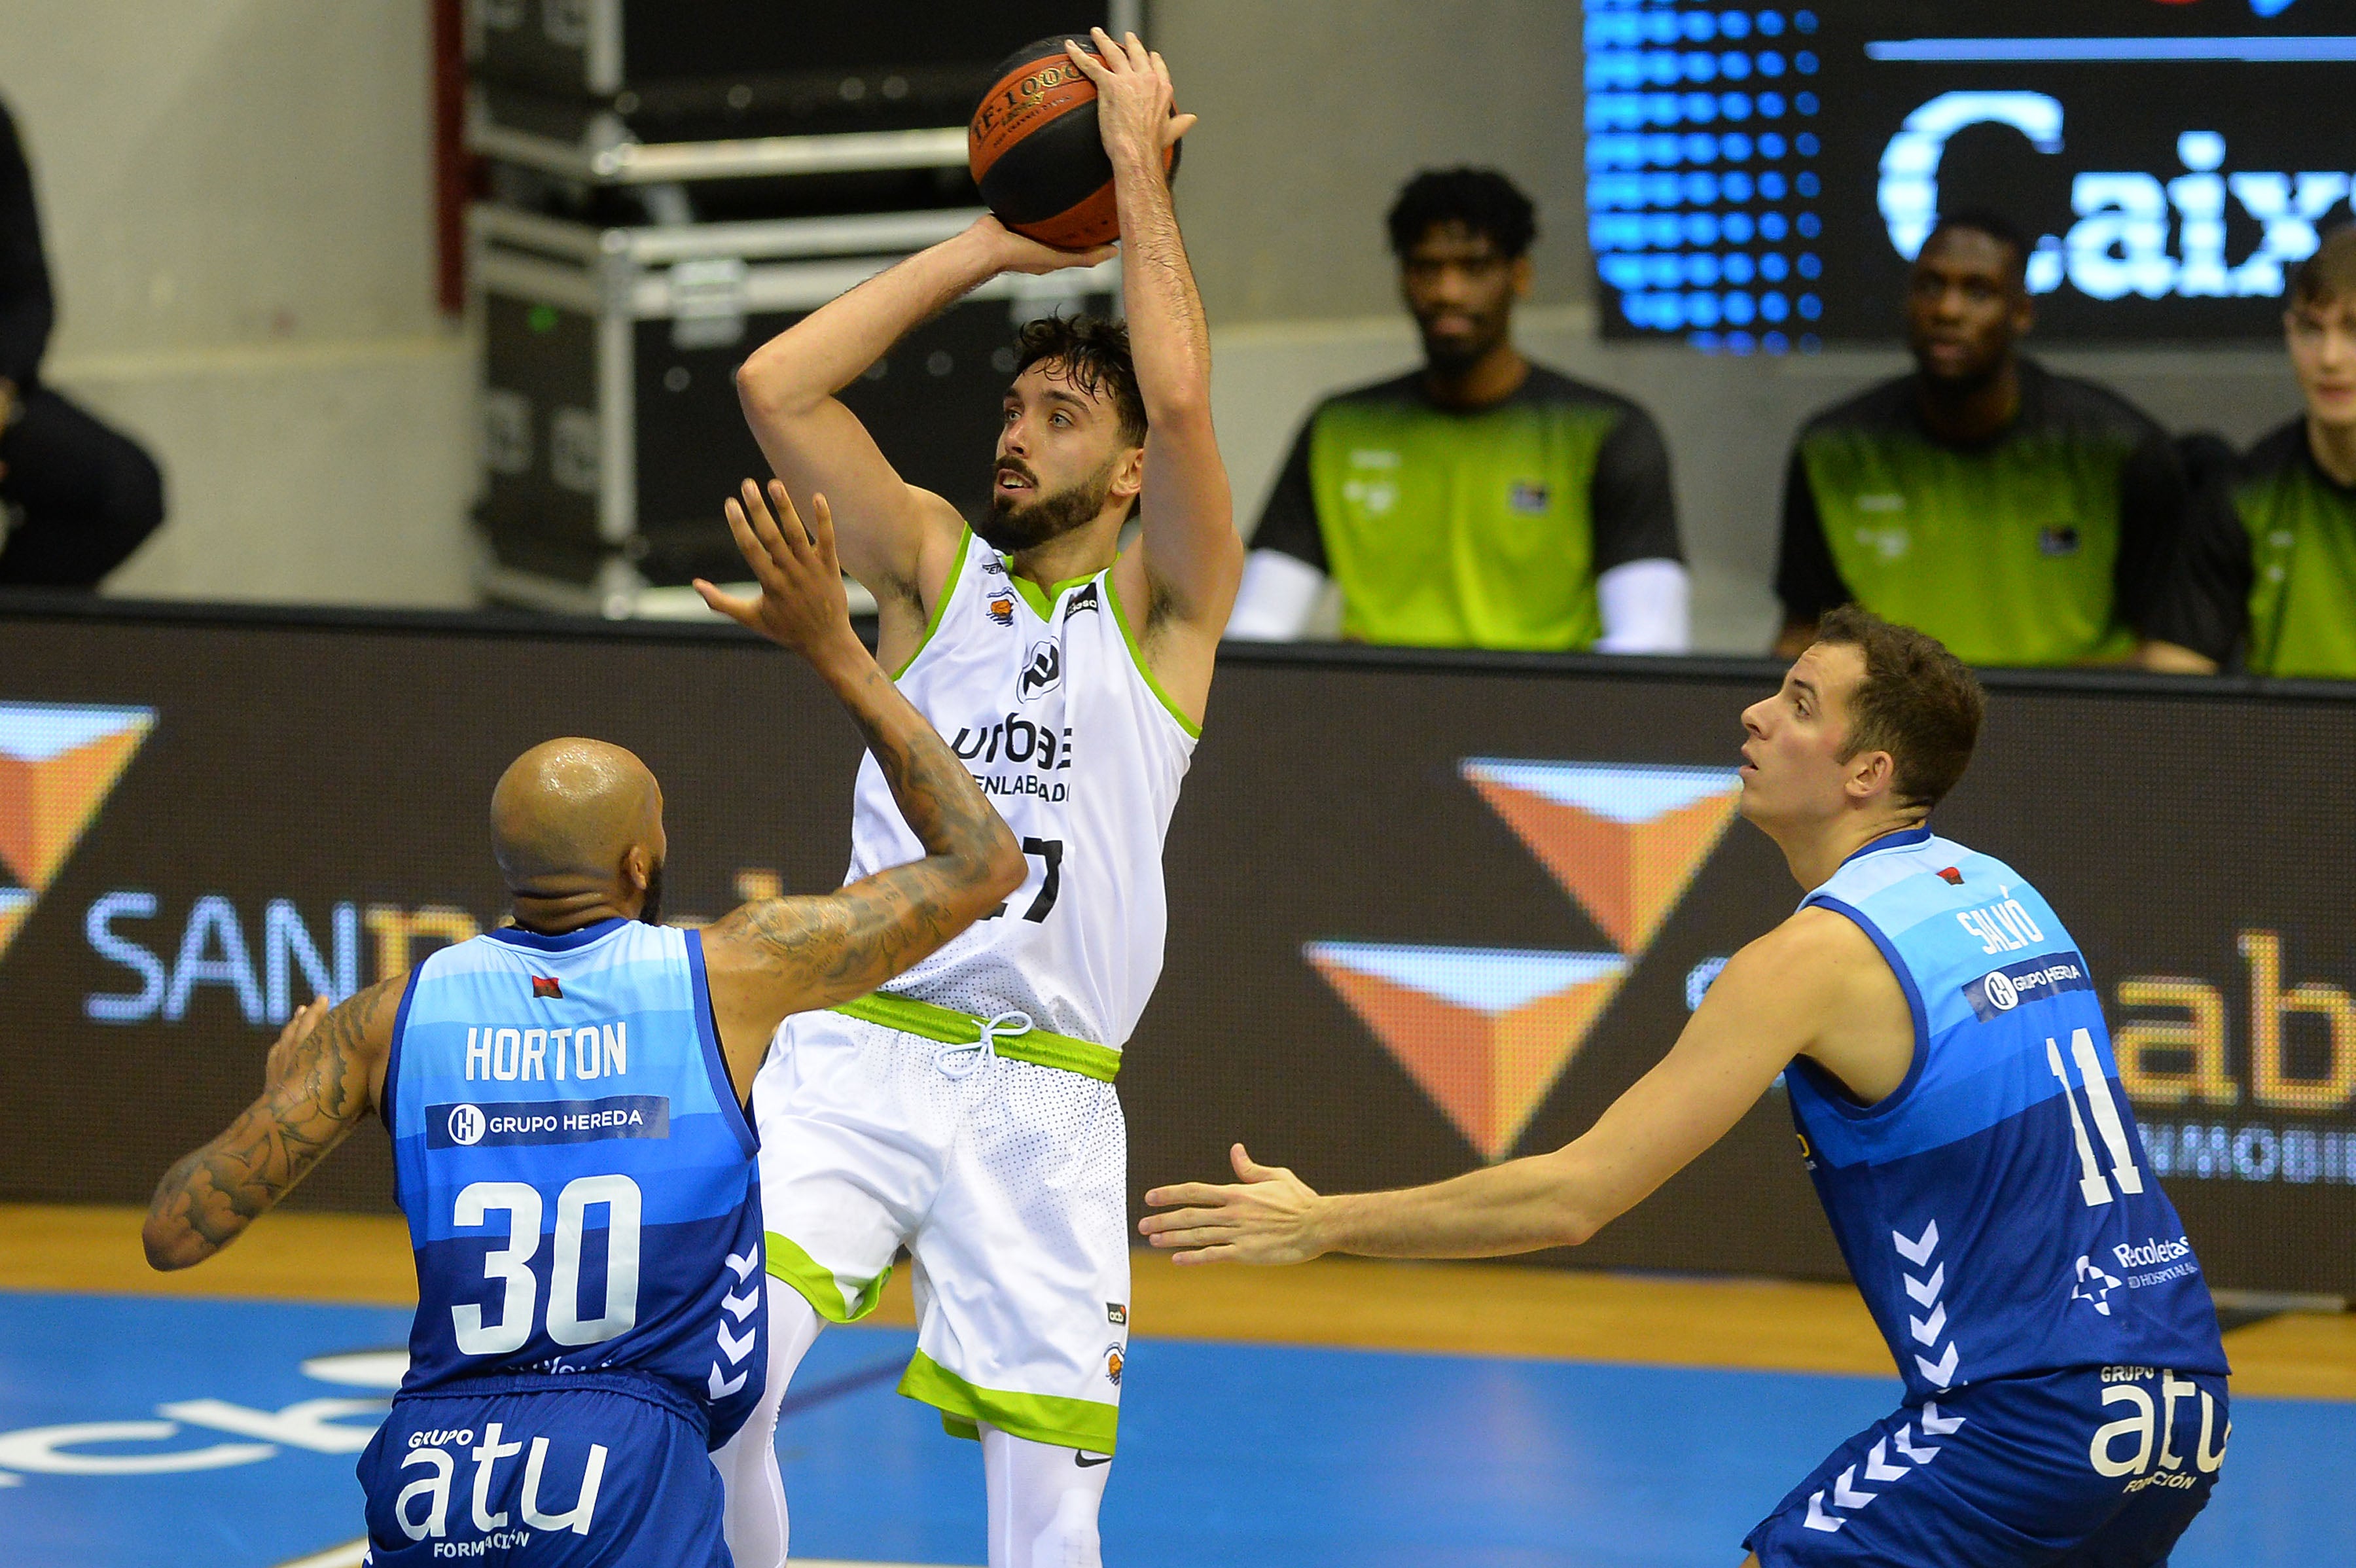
1479	1309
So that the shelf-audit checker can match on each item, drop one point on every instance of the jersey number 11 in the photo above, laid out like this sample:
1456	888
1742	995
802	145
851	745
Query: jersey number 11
2106	1112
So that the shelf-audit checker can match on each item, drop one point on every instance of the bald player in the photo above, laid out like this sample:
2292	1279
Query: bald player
566	1101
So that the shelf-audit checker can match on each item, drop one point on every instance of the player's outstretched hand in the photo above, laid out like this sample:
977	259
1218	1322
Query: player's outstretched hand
802	604
1270	1218
1012	252
1135	103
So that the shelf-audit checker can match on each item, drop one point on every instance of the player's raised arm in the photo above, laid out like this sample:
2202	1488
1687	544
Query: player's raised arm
896	537
778	956
1192	557
324	1073
1769	1005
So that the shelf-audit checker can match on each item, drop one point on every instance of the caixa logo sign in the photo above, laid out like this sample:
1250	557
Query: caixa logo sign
2119	243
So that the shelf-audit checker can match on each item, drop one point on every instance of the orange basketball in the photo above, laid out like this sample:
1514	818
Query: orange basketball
1035	151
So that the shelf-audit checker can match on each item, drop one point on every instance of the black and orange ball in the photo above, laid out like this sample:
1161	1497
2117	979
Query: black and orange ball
1035	151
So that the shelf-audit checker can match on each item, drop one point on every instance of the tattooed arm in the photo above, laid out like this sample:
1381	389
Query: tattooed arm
325	1073
788	955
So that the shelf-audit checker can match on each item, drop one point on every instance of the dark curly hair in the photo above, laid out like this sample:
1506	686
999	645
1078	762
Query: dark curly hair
1481	199
1093	355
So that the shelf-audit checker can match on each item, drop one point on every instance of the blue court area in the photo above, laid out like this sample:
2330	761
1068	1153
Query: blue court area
137	1430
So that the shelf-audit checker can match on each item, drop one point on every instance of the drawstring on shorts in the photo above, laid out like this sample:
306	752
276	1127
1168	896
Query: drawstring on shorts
962	1060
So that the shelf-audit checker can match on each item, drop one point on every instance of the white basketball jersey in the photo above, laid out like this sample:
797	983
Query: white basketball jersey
1071	739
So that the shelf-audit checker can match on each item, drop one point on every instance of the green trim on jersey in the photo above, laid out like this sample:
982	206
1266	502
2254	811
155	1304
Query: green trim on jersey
2009	554
941	604
950	1028
1041	600
818	1285
1453	530
1129	636
1038	1418
2302	532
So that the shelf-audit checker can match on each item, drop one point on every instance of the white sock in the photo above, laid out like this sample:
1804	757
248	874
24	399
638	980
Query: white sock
756	1522
1043	1502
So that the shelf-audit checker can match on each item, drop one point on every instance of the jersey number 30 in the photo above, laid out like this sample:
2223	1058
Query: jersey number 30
2106	1112
512	1264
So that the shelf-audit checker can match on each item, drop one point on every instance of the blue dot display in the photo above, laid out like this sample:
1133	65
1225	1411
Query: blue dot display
1675	191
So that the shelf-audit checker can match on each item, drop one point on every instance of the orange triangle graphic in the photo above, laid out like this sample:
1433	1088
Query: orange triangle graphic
58	765
1487	1048
1625	841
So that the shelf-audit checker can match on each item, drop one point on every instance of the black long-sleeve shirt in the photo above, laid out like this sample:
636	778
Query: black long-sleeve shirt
26	309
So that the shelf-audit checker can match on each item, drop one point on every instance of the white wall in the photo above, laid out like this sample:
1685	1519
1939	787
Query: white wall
237	201
238	198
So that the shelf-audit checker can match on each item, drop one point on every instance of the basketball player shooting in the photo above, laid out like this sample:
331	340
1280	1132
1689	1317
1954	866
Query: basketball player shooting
564	1096
1959	1111
967	1111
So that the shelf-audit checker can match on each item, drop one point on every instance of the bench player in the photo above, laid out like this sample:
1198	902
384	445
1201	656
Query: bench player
968	1112
565	1099
1959	1110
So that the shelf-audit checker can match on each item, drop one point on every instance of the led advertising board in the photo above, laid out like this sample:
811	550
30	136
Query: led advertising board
1426	911
1761	179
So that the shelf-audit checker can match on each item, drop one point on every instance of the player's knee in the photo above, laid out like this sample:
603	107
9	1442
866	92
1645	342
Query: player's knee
1070	1540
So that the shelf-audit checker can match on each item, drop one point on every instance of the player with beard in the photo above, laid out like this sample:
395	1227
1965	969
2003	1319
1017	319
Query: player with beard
1481	500
2018	516
968	1112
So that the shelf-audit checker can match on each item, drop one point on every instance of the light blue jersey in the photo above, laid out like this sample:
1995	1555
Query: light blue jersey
579	1178
1997	1210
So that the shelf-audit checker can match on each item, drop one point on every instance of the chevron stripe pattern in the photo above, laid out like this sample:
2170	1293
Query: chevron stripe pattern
1937	1366
1890	1461
737	1309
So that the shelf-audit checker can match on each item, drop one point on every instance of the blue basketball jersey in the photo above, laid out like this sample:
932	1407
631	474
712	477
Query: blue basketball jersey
580	1181
1996	1210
